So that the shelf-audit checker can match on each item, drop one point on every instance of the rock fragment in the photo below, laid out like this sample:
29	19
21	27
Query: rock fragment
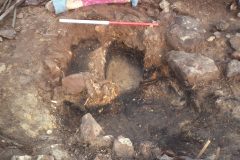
59	154
2	67
123	147
1	40
164	5
238	15
222	25
169	153
9	34
217	34
235	41
90	129
25	157
192	67
185	33
236	55
55	70
233	68
233	7
211	38
73	84
44	157
49	6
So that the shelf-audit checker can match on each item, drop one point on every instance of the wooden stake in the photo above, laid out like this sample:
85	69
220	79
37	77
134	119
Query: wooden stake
217	155
203	149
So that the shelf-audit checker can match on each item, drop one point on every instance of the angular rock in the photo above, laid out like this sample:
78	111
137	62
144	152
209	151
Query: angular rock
165	157
73	84
1	40
164	5
222	25
9	34
233	7
210	39
123	147
90	129
217	34
26	157
44	157
59	154
233	68
49	6
185	33
2	67
235	41
236	55
55	70
192	67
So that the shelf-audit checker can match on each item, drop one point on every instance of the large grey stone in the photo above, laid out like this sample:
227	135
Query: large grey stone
185	33
192	67
235	41
233	68
10	34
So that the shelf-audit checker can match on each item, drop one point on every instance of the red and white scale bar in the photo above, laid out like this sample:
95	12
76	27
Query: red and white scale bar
107	22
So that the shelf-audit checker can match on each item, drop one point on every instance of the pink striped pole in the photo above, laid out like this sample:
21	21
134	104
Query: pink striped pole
107	22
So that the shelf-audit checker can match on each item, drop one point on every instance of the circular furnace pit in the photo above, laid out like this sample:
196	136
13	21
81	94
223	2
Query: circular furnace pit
124	71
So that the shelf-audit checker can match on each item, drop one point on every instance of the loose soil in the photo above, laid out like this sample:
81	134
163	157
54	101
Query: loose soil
155	105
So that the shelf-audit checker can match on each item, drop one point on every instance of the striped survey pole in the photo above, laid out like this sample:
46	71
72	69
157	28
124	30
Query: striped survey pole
107	22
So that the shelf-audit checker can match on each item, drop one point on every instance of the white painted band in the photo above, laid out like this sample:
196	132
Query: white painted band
84	21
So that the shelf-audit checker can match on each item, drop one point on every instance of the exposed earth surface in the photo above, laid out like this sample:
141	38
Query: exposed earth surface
72	91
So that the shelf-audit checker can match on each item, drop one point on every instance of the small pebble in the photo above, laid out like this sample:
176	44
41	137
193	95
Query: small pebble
217	34
49	132
1	39
238	15
211	38
228	36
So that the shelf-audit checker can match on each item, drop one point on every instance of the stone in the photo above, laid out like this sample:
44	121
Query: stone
73	84
219	93
169	153
55	81
9	34
145	149
233	68
20	15
59	154
123	147
192	67
185	33
222	25
90	129
236	112
25	157
49	131
238	15
236	55
1	40
211	38
165	157
228	36
235	41
233	7
54	69
49	6
164	5
226	105
2	67
156	152
44	157
217	34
